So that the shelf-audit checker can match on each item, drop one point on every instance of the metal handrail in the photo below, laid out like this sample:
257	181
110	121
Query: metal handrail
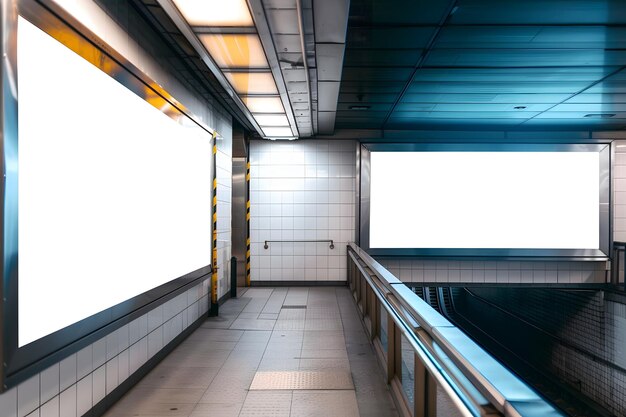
331	246
471	377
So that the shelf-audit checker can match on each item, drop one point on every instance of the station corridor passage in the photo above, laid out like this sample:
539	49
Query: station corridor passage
275	352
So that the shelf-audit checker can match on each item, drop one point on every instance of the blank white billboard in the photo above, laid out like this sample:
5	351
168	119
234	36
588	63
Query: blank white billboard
114	196
490	200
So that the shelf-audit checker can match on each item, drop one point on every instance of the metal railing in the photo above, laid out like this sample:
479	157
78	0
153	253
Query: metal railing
331	246
433	368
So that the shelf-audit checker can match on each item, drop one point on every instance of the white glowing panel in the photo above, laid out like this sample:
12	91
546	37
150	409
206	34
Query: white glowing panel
534	200
114	196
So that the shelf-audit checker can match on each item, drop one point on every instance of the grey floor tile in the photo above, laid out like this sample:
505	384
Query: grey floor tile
324	404
204	343
175	377
216	410
216	365
279	364
285	354
141	394
275	302
229	386
190	359
324	364
296	297
283	336
252	324
252	316
323	324
250	346
256	336
289	324
268	316
292	314
322	313
324	353
122	409
267	404
218	335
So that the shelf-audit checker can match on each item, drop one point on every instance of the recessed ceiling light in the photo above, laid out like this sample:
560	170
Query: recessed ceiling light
252	82
359	107
277	132
271	119
599	115
215	12
263	104
235	51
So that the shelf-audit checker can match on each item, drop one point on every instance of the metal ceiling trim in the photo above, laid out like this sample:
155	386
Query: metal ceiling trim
331	22
305	61
172	11
265	34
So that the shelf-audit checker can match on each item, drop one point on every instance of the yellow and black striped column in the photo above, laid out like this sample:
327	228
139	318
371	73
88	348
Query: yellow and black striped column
214	310
248	219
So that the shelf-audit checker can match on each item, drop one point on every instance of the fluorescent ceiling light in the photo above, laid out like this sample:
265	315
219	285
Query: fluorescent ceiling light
235	51
252	82
277	132
271	119
215	12
263	104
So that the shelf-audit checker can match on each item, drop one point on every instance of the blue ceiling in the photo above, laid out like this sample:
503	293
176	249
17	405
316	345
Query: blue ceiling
485	64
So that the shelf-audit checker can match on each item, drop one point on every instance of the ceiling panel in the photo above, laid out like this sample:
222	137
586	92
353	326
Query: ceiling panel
373	87
497	64
598	98
576	74
560	124
545	12
473	107
379	107
496	87
590	107
382	57
457	124
365	98
349	123
578	115
396	12
462	115
521	58
389	37
532	37
484	98
376	74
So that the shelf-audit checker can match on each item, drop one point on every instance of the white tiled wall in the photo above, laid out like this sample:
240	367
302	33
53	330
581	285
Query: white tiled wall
73	386
528	272
619	191
301	190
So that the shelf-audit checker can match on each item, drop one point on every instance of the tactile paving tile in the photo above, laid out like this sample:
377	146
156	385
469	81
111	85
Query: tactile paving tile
302	380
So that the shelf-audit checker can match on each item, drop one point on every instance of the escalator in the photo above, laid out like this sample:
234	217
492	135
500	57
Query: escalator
519	328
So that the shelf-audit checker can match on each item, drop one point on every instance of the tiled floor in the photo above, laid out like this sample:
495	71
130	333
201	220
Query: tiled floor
310	335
